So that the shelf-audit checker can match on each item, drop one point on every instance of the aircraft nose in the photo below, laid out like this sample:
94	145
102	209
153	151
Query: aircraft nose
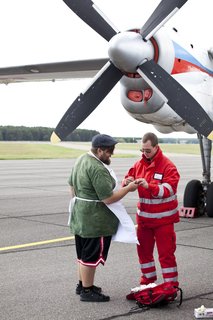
127	50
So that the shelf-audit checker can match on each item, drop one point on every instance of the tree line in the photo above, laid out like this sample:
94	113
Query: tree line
22	133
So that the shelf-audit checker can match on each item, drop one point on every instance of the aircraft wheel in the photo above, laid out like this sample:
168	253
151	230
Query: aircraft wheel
194	197
209	201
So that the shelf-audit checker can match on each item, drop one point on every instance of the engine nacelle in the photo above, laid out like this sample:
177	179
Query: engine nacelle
136	95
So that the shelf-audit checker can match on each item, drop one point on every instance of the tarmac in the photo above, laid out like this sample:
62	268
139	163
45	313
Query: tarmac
38	262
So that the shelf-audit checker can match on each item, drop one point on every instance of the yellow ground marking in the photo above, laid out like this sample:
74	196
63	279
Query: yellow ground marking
39	243
32	244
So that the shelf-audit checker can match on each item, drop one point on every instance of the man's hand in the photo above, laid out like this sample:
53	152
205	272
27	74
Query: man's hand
142	182
132	186
119	194
126	181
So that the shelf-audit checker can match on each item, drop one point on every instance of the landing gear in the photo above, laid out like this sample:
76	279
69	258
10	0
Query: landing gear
197	194
194	197
209	201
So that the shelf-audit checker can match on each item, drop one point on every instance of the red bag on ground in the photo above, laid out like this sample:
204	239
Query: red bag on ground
158	295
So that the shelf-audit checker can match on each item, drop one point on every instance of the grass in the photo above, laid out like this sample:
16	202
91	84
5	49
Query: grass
181	148
12	151
32	150
166	147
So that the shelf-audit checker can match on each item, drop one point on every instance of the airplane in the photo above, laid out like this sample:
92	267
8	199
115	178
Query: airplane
164	81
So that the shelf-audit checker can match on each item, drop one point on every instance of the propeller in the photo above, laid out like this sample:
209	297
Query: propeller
164	11
92	15
173	93
177	97
86	102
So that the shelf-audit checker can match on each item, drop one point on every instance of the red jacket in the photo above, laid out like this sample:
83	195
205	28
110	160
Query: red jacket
158	204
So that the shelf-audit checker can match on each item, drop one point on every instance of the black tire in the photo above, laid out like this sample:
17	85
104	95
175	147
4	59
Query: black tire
193	196
209	201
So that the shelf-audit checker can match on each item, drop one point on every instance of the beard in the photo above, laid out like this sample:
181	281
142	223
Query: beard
106	161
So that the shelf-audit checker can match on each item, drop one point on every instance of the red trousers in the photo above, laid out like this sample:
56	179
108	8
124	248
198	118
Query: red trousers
165	239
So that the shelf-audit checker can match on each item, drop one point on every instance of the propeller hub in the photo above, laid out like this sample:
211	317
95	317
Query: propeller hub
127	50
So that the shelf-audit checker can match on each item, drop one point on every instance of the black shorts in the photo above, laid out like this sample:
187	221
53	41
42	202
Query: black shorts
92	251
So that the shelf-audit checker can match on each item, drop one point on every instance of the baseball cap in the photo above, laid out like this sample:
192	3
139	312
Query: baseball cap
103	140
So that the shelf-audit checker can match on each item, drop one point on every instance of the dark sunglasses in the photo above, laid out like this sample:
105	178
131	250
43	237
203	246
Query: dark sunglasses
146	150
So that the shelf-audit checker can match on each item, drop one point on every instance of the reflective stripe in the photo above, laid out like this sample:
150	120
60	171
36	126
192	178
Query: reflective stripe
168	186
157	201
150	274
148	265
169	270
160	193
90	200
161	189
157	215
175	279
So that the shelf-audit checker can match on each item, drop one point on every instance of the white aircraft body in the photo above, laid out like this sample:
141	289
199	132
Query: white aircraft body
164	81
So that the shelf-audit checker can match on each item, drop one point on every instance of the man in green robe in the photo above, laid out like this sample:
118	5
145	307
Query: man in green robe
92	222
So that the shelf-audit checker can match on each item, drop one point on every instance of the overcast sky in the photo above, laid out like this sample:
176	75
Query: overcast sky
39	31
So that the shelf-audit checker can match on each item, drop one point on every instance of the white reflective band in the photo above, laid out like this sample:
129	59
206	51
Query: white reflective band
90	200
175	279
148	265
160	193
150	274
169	270
161	189
157	215
168	186
157	201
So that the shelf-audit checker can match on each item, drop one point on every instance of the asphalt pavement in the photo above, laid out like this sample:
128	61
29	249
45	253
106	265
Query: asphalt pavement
38	262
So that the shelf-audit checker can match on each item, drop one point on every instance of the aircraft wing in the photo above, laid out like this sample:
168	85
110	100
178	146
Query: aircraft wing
52	71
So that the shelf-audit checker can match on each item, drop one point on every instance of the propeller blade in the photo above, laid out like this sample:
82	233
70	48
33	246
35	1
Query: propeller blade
164	11
177	98
89	13
86	102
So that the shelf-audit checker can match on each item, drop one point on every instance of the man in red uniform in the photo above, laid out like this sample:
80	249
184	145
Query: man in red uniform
157	210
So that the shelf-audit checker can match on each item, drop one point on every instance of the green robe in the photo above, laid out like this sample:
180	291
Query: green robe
91	180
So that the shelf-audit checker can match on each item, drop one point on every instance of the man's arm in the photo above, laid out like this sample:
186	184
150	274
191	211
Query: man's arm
166	188
127	180
129	177
119	194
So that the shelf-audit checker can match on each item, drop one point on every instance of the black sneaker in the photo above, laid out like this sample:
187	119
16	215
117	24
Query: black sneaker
92	296
79	288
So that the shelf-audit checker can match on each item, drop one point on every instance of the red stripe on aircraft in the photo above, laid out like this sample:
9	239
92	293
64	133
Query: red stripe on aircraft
182	66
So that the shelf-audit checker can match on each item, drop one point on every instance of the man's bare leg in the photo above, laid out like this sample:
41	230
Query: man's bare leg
88	293
79	272
87	275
